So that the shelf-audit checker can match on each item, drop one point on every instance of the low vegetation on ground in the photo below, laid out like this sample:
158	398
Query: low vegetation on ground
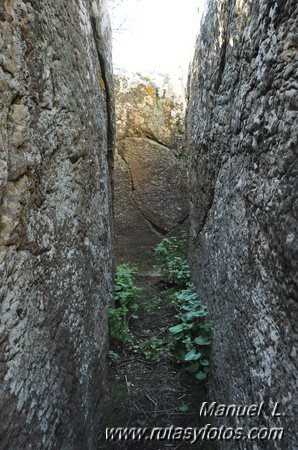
126	305
189	337
159	343
171	261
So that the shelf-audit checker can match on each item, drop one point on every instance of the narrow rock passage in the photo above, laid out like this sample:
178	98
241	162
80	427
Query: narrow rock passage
147	394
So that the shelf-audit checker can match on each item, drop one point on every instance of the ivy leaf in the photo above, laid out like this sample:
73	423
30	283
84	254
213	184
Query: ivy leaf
192	355
200	340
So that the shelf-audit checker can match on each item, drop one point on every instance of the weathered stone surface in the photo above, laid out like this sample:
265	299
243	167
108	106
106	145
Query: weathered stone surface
147	110
150	180
242	138
56	124
129	222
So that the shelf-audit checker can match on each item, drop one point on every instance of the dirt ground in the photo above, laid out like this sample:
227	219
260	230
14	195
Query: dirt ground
144	393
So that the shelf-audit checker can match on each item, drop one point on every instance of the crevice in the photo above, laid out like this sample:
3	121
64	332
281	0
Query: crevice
181	222
153	138
223	50
148	137
109	99
205	216
41	251
222	64
155	228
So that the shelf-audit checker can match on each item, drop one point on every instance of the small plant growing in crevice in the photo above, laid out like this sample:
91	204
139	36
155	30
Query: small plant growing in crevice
126	296
191	336
171	260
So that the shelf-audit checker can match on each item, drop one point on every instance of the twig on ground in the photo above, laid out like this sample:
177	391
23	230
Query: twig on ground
135	406
125	363
151	399
167	403
127	385
143	361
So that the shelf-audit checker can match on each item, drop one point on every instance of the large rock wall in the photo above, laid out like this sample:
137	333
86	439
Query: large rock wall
242	138
150	176
56	124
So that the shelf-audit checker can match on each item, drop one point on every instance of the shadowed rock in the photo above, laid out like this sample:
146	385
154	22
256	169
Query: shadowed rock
56	141
242	138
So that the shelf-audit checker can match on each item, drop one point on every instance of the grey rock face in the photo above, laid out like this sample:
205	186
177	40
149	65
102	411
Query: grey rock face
150	181
242	139
56	125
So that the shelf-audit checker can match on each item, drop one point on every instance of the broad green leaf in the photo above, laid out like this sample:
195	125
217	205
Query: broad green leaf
177	328
194	314
200	340
192	355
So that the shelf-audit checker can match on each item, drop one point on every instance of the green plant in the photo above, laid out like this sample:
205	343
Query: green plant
126	296
126	292
118	325
181	154
151	348
191	337
113	355
171	259
184	408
